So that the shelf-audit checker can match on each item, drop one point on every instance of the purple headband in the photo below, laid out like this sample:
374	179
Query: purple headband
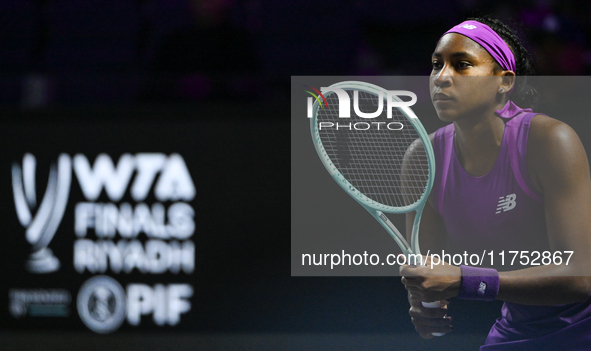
489	40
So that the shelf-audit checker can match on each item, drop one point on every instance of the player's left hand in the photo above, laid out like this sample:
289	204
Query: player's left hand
432	283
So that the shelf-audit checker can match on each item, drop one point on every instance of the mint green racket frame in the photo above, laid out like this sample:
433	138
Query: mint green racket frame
377	209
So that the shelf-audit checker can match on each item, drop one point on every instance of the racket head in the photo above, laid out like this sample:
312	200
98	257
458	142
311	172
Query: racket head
386	170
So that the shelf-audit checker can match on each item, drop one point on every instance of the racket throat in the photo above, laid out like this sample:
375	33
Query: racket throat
394	232
414	259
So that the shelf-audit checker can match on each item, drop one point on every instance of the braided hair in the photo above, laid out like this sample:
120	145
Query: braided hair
523	94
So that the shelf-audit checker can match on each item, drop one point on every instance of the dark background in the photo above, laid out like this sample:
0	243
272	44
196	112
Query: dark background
212	77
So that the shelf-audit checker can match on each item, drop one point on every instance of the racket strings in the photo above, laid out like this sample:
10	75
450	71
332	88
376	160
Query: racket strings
385	162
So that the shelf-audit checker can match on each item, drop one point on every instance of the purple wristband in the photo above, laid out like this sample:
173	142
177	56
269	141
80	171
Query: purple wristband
479	283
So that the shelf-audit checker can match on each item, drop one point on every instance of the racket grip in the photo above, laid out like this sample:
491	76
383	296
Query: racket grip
434	304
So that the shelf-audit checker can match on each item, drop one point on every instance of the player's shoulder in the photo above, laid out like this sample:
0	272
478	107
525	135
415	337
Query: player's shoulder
547	133
432	138
436	139
439	136
556	156
439	133
553	147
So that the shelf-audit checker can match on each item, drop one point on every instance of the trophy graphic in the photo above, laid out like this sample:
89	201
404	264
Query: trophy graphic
41	227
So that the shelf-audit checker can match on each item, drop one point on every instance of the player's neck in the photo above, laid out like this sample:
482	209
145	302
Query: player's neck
478	142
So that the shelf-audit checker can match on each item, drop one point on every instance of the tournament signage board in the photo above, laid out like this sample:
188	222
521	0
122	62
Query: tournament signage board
114	225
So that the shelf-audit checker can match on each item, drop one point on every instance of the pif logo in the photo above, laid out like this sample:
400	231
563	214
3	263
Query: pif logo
344	101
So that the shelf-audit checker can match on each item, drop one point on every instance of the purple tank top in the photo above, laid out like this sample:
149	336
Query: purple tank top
495	211
502	211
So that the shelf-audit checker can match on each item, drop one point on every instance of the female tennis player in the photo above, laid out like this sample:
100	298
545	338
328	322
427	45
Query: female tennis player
507	179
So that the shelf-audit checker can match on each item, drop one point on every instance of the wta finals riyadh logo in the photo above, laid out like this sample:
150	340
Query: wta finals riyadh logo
41	227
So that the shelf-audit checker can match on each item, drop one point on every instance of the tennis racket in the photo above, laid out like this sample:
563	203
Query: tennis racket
387	167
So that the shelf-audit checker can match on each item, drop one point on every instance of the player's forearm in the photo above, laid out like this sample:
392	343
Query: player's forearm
544	285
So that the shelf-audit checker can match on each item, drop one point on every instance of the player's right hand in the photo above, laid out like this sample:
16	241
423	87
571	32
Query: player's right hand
429	320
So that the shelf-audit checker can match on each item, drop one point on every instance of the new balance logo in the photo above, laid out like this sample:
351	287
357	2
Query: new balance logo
506	203
482	288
